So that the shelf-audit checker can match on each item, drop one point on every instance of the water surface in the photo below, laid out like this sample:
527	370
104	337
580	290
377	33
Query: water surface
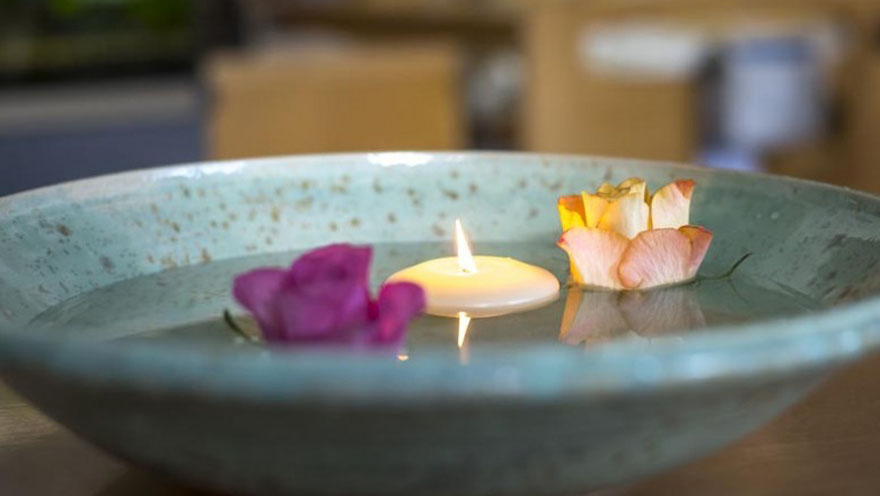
184	305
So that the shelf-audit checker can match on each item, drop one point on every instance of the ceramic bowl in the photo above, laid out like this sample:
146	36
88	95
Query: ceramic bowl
519	417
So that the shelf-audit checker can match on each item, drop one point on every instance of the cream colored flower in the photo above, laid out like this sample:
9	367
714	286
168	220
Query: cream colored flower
624	238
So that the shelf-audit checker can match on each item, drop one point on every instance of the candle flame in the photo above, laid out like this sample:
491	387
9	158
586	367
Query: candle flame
403	357
465	259
463	323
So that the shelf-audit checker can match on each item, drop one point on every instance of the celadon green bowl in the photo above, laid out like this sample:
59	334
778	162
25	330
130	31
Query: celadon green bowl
517	416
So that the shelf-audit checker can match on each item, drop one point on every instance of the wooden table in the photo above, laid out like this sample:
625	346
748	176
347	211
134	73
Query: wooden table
826	445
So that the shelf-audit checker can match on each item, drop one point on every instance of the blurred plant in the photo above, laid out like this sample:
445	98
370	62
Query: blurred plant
161	14
56	38
154	15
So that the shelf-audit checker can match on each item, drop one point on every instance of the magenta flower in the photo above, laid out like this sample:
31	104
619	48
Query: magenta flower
325	297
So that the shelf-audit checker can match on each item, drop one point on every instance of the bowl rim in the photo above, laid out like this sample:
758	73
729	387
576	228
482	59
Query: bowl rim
763	349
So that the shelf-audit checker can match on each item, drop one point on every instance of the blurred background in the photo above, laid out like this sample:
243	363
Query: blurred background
98	86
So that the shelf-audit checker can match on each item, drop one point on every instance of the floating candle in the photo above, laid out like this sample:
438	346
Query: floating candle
480	286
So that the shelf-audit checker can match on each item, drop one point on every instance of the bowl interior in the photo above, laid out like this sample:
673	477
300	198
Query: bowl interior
72	252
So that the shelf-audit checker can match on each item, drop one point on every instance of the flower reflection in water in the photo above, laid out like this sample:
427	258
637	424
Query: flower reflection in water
595	317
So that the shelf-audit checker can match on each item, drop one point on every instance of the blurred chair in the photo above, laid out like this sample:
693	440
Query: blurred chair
866	146
318	98
648	80
572	107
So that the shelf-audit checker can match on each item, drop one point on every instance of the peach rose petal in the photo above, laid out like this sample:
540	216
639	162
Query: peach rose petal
594	206
663	256
635	185
700	238
595	255
606	189
627	215
670	205
571	211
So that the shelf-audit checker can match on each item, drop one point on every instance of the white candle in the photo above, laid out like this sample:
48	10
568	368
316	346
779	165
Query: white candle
480	286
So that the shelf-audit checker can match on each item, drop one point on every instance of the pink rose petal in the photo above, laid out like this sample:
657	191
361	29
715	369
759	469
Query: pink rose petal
397	304
324	297
256	290
325	290
663	256
595	255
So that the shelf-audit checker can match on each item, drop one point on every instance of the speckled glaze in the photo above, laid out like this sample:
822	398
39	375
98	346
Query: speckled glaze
516	420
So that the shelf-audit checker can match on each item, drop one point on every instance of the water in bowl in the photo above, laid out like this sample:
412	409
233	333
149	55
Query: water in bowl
184	306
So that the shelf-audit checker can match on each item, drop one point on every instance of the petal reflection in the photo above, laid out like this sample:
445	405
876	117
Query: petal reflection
591	317
594	317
